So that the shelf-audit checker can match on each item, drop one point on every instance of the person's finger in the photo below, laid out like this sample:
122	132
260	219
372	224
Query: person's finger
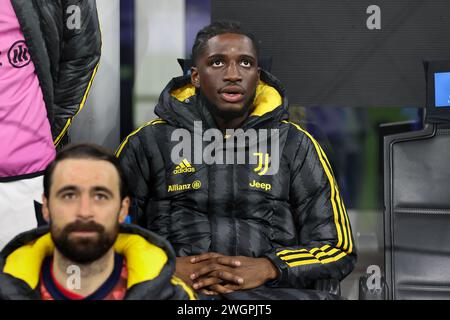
206	282
229	261
233	287
230	277
205	270
204	257
220	289
208	292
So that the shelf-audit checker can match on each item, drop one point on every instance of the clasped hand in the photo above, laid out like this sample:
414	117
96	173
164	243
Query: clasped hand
212	273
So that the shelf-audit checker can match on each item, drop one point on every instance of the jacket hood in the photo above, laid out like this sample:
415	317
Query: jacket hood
180	106
148	256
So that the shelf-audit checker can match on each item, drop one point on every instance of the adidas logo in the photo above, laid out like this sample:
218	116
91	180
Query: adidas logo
184	167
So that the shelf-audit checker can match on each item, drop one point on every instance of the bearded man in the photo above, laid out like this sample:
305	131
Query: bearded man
86	253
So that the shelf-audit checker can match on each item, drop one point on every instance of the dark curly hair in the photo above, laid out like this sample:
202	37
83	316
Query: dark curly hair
215	29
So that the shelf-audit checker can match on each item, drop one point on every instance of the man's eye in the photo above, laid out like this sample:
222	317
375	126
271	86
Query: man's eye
246	63
69	196
101	196
217	63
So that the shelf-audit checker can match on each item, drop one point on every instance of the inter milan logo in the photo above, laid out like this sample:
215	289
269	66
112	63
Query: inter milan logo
18	55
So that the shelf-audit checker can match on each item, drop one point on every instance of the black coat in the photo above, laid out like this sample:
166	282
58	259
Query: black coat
150	263
66	60
296	217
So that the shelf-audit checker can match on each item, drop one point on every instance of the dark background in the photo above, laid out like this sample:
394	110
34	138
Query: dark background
326	56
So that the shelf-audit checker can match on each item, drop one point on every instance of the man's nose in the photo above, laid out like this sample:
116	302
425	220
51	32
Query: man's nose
232	73
85	209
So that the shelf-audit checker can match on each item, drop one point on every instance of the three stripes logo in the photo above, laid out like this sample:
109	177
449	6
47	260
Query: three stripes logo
18	55
184	167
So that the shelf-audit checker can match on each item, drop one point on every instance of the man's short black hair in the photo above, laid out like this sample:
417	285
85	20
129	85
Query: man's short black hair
215	29
85	151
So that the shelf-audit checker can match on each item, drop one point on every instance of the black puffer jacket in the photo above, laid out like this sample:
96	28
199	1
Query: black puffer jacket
150	263
295	217
66	59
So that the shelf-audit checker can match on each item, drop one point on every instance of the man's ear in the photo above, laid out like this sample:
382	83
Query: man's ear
45	211
195	77
124	209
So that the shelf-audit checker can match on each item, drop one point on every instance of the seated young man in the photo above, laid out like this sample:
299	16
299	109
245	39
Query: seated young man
86	253
275	222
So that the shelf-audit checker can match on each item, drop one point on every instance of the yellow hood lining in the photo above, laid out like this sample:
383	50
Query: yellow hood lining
144	260
267	98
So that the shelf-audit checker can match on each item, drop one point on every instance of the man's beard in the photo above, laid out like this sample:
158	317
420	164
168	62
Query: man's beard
87	249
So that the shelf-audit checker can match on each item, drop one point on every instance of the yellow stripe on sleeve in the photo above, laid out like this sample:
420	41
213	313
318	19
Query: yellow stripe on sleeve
345	244
63	132
315	256
122	145
80	107
347	221
317	261
348	245
340	219
178	282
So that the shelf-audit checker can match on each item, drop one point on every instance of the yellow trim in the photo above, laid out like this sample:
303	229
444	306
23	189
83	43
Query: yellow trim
178	282
122	145
296	256
267	98
158	122
325	247
326	159
291	251
341	211
316	261
80	107
69	121
350	249
345	243
183	93
311	254
88	89
25	263
63	132
338	214
348	244
336	258
330	179
328	253
313	257
144	260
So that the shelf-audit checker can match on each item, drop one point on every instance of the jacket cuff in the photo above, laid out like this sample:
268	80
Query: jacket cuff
283	272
